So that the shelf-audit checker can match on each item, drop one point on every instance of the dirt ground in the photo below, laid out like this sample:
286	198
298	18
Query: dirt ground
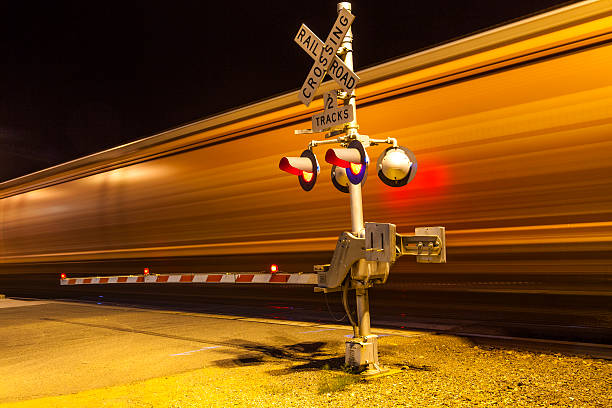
432	371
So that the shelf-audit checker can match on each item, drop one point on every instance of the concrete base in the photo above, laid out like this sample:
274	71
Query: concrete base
362	353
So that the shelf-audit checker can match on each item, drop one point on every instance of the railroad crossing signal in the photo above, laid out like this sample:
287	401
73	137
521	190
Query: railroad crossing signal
326	55
343	75
365	255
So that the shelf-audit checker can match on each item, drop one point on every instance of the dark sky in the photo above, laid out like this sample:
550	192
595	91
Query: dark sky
80	77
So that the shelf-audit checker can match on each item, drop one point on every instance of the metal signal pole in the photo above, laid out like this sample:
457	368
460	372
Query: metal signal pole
354	189
358	228
365	255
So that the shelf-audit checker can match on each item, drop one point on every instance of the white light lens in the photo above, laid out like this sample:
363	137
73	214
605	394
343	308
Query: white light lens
395	165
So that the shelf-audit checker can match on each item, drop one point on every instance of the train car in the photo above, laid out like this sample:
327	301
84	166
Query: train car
512	129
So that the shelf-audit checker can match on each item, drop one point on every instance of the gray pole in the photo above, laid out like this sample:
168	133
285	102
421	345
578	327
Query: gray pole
358	229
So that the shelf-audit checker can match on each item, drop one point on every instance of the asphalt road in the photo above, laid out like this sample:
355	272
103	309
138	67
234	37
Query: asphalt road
55	348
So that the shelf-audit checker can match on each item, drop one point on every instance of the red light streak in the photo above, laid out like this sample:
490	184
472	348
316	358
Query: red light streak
428	184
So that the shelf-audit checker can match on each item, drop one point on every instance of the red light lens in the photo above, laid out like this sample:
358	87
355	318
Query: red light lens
63	276
273	268
307	176
355	168
146	271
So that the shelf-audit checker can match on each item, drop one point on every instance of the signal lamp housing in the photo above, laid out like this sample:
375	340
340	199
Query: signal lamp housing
340	179
273	268
354	159
397	166
306	167
63	276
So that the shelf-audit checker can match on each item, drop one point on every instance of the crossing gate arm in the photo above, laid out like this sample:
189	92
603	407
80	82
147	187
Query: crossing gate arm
265	278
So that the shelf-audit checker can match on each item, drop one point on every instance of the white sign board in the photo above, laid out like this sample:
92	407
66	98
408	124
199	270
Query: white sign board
338	70
326	56
332	117
330	100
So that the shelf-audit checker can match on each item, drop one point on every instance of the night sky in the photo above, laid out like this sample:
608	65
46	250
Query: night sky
80	77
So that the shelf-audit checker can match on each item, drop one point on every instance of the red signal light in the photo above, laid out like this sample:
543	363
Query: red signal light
307	176
355	168
305	167
295	165
273	268
342	157
353	158
146	271
63	276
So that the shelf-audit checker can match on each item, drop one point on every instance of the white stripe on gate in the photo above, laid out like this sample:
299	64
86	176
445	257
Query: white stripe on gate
174	278
261	278
228	279
304	279
199	278
132	279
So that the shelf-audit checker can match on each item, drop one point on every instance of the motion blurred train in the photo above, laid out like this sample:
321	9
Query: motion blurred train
512	130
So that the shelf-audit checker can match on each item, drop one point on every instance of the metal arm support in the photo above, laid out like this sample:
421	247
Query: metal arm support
428	244
349	250
370	258
416	244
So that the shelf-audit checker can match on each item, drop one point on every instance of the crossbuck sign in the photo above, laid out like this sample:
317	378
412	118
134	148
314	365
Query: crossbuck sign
325	57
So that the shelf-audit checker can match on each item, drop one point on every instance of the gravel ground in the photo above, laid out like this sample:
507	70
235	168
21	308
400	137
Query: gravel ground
434	371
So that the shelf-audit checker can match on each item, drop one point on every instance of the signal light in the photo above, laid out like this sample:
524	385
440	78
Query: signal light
397	166
273	268
146	271
343	157
355	168
340	178
307	176
305	167
63	276
353	158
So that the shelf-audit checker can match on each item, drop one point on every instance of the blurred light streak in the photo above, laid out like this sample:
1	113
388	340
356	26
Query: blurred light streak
526	148
430	183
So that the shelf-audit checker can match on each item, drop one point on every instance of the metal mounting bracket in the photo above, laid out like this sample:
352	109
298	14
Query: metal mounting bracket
349	249
428	244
